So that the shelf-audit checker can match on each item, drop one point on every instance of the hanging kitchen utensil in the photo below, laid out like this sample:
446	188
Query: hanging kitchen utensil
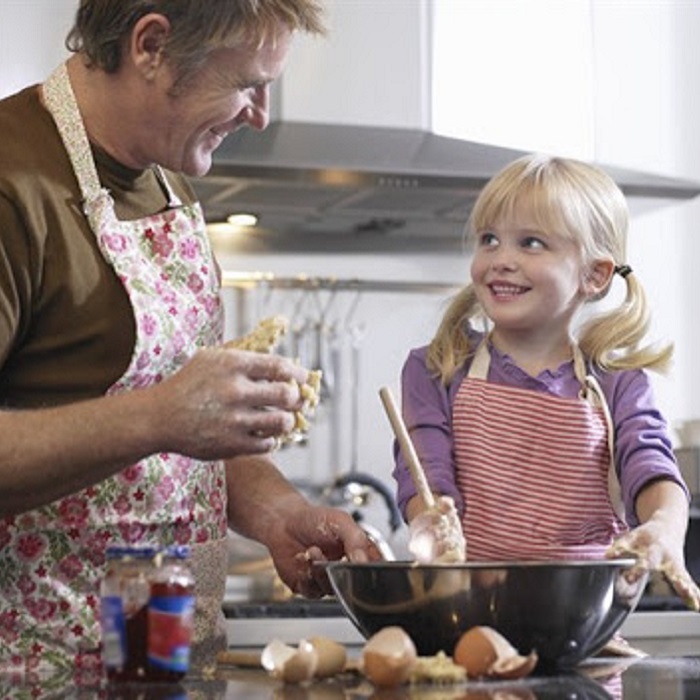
324	335
356	330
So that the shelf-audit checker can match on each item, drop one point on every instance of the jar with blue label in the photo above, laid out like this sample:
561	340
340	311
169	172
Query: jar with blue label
170	622
124	594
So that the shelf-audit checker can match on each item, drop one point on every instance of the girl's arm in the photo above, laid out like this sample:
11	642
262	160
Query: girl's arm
656	497
426	409
643	447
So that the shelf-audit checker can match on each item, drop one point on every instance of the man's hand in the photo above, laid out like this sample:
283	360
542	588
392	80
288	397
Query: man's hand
264	506
312	536
225	403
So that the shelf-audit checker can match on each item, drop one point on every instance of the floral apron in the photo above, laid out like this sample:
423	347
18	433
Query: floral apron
52	559
536	470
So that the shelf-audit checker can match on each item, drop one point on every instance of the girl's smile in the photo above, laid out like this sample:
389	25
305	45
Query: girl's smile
504	290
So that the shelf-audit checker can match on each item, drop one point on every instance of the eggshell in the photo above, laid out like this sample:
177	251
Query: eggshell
388	657
515	667
332	656
484	652
289	664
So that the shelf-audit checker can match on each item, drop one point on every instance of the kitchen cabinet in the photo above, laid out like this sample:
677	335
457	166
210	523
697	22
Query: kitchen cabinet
517	74
372	69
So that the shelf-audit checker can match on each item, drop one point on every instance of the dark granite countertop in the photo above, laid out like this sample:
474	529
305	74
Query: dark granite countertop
599	679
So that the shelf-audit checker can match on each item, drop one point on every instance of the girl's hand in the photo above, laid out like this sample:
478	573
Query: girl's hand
435	534
656	550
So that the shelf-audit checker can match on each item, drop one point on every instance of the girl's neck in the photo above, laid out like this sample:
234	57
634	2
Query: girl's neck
534	355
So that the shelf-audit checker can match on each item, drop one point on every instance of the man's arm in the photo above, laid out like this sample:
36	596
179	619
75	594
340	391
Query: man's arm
264	506
211	409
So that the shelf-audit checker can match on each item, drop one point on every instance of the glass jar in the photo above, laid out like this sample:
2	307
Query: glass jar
124	595
170	615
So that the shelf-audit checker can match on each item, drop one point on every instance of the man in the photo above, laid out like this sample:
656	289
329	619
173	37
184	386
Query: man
125	421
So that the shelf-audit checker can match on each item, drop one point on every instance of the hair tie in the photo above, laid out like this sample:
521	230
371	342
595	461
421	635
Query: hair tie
623	270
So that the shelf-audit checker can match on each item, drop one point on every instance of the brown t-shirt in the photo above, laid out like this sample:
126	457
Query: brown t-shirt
66	326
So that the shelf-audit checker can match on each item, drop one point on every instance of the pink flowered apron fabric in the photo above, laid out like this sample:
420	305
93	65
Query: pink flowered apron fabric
52	558
535	470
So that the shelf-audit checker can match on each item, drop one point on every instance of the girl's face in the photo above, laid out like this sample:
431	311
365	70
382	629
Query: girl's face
527	281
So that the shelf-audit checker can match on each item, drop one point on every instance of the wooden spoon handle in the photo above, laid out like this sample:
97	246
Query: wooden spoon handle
242	659
407	448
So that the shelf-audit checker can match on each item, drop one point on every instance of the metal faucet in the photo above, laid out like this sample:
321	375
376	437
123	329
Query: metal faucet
355	489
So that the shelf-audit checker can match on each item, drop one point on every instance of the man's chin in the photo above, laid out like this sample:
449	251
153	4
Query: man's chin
199	166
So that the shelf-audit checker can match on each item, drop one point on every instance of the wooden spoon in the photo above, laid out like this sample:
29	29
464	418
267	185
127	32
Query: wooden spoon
407	448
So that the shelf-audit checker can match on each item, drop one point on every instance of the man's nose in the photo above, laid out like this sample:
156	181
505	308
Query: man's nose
258	111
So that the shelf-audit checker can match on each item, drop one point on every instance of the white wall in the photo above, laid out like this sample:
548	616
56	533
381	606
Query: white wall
371	69
648	64
32	34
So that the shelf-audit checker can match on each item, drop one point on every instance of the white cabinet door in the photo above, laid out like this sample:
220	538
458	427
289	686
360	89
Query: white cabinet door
372	69
516	73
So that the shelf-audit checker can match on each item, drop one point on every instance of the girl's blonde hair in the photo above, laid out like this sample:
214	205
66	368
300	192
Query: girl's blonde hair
577	200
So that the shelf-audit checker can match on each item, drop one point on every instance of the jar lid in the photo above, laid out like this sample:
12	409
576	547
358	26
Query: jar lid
131	551
178	551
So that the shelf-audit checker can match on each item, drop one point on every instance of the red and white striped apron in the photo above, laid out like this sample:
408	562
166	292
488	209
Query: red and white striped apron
534	470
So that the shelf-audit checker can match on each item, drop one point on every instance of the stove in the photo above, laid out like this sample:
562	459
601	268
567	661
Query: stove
252	624
659	626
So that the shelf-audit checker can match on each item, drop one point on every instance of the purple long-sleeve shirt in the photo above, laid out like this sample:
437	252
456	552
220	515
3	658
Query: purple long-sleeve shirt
643	449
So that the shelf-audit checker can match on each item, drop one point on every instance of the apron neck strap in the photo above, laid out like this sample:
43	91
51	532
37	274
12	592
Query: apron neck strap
59	99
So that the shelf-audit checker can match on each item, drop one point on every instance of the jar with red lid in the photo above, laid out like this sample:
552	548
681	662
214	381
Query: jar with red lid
170	621
124	594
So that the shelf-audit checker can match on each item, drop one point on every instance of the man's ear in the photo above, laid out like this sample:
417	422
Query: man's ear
598	277
147	41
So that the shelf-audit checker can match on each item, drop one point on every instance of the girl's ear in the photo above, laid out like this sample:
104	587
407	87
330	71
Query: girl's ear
597	278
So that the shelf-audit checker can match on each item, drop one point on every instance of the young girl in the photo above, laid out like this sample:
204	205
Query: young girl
543	428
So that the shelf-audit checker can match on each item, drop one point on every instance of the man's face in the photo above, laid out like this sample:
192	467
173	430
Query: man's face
231	89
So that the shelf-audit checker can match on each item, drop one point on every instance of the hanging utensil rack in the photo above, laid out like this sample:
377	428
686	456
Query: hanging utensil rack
250	280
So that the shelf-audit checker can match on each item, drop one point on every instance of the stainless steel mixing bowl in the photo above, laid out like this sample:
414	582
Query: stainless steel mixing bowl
565	610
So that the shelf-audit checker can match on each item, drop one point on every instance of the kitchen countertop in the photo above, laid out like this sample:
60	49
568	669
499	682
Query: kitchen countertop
599	679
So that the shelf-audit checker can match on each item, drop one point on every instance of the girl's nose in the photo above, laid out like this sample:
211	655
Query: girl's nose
257	113
504	258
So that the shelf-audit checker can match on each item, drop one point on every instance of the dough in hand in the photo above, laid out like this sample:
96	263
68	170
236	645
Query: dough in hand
265	338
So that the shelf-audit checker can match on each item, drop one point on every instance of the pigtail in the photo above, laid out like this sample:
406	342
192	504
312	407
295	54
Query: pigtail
450	347
612	340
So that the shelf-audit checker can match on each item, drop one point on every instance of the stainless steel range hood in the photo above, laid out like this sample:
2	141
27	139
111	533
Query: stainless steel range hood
308	180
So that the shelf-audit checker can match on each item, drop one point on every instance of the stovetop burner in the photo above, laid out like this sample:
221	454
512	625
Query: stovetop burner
293	608
652	603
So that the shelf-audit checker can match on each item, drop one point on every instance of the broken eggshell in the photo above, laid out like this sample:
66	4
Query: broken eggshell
290	664
332	657
388	657
485	653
